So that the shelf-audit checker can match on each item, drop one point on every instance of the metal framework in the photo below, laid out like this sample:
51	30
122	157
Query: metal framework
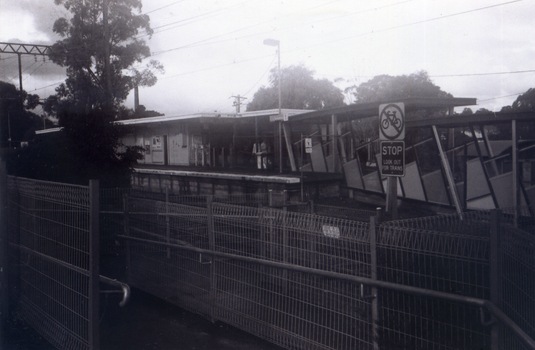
24	49
310	282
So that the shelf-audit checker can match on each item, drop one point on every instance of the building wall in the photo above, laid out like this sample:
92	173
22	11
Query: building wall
164	144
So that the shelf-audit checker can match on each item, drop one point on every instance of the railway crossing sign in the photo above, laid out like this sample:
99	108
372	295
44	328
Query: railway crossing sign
392	121
392	134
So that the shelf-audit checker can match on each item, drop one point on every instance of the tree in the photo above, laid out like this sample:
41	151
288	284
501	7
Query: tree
389	88
17	121
386	87
523	103
299	91
100	51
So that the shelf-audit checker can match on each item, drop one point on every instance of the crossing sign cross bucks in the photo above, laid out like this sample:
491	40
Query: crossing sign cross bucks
392	134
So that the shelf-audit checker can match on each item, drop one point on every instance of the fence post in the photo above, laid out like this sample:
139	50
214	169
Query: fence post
167	223
94	274
373	276
126	228
495	273
211	244
4	291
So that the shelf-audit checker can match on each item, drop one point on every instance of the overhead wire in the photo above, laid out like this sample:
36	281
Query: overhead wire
163	7
345	38
208	42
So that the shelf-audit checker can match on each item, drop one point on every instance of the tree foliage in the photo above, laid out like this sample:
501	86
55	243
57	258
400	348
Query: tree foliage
386	87
18	122
389	88
300	90
101	48
523	103
91	41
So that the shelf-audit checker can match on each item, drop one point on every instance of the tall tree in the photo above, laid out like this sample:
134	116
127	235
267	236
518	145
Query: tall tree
300	90
386	87
100	50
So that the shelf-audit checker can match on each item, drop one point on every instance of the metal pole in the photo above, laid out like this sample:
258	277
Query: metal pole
4	290
449	175
373	276
94	274
495	273
514	150
302	190
280	107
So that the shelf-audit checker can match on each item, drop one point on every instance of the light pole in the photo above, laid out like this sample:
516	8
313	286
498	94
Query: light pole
273	42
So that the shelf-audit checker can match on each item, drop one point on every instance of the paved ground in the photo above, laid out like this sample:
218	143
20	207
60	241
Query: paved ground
148	323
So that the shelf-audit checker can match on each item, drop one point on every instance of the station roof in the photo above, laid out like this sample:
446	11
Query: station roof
371	109
271	113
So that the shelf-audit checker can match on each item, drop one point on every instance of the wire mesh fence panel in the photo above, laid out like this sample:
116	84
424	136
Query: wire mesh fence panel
470	223
517	274
177	276
344	213
303	311
435	261
49	226
292	309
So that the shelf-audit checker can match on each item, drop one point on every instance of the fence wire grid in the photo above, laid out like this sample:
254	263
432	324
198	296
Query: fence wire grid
299	311
49	252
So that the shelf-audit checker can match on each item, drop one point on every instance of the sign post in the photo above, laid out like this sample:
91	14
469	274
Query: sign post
392	136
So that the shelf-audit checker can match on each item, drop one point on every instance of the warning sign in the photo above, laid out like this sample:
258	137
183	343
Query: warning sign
308	145
392	121
393	158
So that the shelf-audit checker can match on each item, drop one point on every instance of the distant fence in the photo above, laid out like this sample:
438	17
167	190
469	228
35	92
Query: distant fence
289	277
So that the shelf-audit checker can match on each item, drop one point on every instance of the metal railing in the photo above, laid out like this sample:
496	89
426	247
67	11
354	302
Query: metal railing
53	236
306	281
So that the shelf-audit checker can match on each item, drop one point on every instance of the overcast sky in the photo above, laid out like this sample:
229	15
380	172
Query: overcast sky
213	49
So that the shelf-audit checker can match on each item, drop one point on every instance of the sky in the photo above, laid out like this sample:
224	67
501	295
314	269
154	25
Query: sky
213	50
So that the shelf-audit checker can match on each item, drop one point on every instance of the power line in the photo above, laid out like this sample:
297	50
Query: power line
161	8
204	41
352	36
500	97
481	74
262	77
416	23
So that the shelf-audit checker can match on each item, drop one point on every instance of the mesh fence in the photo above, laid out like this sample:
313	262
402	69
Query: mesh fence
292	309
517	272
302	311
49	240
437	261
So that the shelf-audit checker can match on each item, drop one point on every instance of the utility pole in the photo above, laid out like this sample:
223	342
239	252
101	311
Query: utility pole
237	102
106	43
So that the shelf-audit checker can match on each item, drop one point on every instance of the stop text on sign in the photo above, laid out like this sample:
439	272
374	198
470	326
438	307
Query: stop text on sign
393	158
388	150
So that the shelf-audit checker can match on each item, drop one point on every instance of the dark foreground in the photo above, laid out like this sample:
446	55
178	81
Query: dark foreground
148	323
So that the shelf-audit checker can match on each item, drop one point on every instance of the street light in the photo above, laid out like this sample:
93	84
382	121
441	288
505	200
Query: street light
273	42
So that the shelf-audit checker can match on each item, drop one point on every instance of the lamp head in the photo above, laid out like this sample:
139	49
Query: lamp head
271	42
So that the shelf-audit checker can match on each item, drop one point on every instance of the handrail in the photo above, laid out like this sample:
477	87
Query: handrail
125	287
481	303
